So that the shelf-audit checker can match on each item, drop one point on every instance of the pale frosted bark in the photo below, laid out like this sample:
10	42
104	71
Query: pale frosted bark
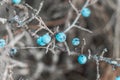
116	50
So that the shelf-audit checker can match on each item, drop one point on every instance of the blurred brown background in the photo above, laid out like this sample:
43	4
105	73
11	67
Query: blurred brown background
104	22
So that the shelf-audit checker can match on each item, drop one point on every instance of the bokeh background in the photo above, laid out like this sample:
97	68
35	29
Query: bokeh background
104	22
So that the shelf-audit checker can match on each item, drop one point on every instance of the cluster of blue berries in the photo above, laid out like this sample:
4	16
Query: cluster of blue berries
85	12
60	37
44	40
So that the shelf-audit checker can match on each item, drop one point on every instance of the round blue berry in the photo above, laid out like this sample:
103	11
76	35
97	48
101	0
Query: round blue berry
117	78
16	1
82	59
60	37
75	41
13	51
40	41
85	12
46	38
2	43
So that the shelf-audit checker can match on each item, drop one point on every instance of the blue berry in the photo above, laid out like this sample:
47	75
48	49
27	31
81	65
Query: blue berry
117	78
46	38
82	59
16	1
2	43
60	37
75	41
13	51
85	12
40	41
